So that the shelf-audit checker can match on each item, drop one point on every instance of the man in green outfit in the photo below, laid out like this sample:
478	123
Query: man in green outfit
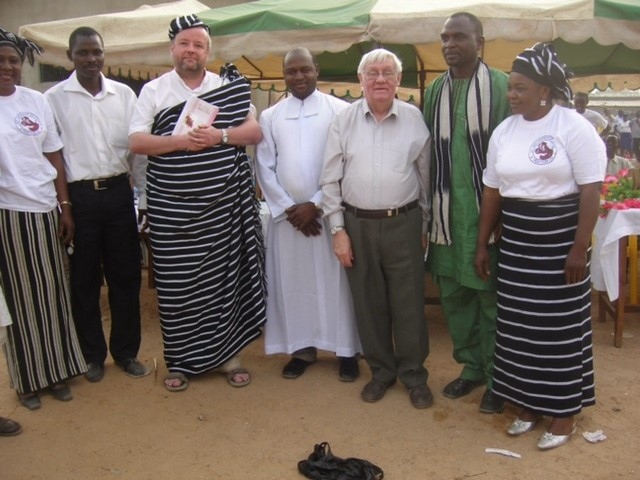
462	107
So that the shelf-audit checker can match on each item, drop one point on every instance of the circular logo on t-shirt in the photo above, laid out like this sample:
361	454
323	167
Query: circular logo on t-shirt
543	150
28	123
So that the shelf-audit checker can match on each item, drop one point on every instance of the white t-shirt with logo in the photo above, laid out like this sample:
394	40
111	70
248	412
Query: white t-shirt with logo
27	129
544	159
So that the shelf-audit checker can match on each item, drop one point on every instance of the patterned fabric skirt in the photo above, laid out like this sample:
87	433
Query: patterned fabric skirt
543	356
42	346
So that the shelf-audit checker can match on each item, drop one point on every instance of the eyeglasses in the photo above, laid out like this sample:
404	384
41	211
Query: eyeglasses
373	75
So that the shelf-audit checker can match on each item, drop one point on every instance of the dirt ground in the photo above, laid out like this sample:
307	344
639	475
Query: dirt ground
126	429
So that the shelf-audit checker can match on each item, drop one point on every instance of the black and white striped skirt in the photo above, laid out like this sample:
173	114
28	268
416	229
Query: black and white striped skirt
42	346
543	356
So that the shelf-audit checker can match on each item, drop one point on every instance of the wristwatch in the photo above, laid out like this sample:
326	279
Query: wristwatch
225	137
336	229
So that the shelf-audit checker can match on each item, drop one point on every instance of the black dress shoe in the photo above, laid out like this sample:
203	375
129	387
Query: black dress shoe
491	403
460	387
95	372
295	367
9	428
61	391
133	367
29	400
375	390
349	369
421	396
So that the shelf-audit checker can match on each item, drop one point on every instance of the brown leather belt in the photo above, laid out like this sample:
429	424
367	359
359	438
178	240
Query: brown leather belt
386	213
101	183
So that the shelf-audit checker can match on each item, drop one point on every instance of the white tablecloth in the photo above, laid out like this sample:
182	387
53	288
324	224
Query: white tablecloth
604	260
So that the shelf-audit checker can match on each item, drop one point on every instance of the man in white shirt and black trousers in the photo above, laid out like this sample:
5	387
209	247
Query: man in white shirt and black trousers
92	115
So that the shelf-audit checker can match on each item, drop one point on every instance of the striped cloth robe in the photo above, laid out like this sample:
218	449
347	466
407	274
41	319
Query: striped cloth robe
207	242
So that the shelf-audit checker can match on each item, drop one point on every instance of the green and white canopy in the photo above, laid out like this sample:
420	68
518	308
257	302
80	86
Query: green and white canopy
591	36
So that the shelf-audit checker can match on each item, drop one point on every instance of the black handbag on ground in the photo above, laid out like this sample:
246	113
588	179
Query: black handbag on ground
323	465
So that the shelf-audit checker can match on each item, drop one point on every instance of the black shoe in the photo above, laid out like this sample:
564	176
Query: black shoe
295	367
61	391
95	372
9	428
460	387
421	396
491	403
29	400
349	369
133	368
375	390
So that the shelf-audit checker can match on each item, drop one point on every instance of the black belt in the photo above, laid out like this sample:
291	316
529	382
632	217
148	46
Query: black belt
385	213
101	183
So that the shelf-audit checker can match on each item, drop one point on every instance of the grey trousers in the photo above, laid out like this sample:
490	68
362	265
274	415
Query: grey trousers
387	285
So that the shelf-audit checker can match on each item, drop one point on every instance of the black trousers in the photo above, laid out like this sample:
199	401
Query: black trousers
106	241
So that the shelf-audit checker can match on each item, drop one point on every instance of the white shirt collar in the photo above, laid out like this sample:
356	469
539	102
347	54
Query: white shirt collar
311	106
73	85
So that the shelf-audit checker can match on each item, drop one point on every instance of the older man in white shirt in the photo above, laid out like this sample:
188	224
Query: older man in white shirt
374	186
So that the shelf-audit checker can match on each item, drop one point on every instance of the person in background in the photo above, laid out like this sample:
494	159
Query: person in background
623	129
42	347
374	187
610	118
203	214
98	165
309	304
545	166
615	162
580	102
462	108
634	126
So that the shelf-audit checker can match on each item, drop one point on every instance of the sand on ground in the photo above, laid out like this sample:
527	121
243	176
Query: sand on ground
133	429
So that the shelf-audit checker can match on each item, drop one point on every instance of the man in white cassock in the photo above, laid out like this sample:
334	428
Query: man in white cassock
309	303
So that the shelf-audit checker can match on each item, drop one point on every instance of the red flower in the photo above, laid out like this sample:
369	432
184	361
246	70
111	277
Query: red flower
618	193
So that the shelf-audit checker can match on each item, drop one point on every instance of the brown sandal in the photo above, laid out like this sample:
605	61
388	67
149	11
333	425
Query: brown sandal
181	377
238	371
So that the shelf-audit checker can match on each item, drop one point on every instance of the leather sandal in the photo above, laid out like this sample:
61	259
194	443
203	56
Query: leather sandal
231	377
181	377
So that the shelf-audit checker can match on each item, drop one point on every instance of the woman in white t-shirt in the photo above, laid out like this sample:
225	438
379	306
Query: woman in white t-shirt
623	127
545	165
35	221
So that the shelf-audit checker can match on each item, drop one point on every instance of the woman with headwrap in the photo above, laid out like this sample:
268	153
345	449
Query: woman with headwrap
42	348
545	165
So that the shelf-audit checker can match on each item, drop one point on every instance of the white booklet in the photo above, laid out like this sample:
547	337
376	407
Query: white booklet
196	113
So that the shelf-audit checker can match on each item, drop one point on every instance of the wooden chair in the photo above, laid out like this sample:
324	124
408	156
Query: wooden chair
628	275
